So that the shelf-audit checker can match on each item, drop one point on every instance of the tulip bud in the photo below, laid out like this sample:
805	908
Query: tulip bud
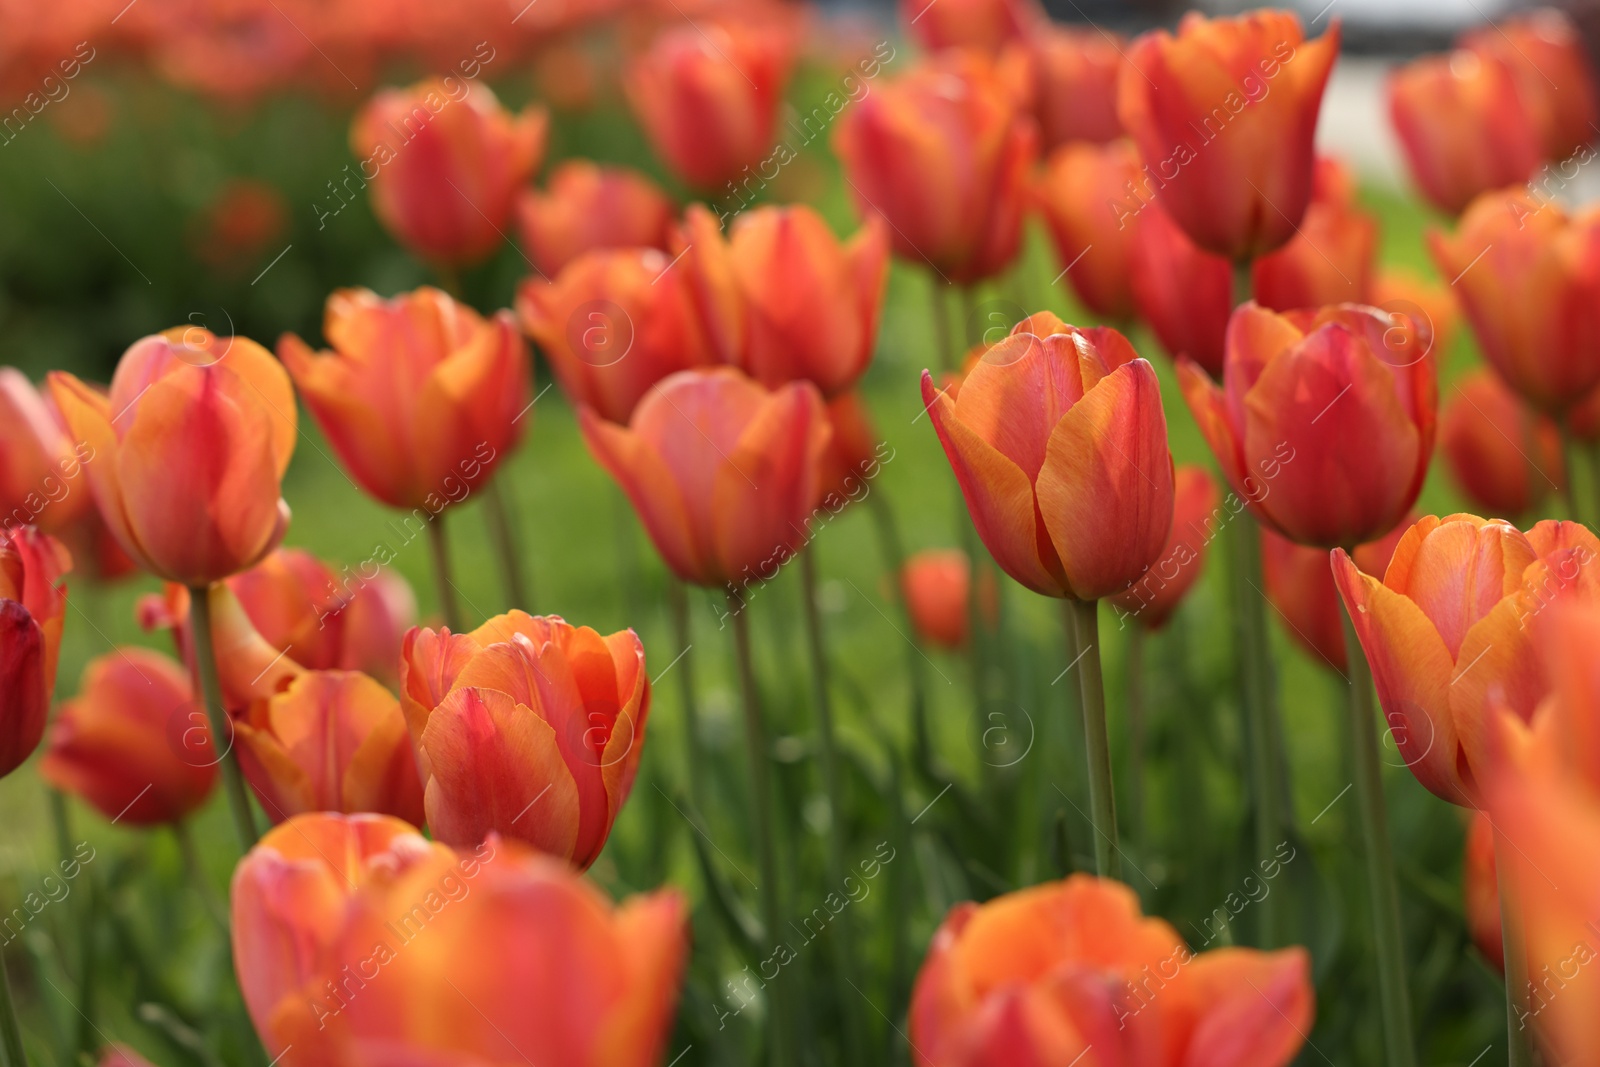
1152	599
1546	55
33	608
1073	73
586	206
1184	293
937	585
1060	445
1503	457
1299	584
1081	196
134	742
1331	259
41	470
983	25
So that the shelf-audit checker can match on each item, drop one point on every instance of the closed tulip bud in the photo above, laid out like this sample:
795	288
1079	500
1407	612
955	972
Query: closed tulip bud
1182	291
1528	277
854	454
41	470
613	324
1503	457
1480	895
1073	74
723	473
708	94
331	741
984	25
1463	127
527	727
1152	599
1044	975
1299	584
937	586
587	206
944	155
33	609
1224	113
1555	79
1447	632
446	161
420	396
1081	196
1324	423
1427	303
355	938
1059	442
190	449
134	742
1331	259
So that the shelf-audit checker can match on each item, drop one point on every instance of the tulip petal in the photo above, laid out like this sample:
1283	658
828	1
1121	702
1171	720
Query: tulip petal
765	488
1016	394
1209	406
1258	1007
89	419
26	701
645	478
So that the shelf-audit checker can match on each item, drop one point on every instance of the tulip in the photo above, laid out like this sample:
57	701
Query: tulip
613	324
1445	651
1555	79
588	206
1299	583
1047	974
984	25
528	727
1429	304
420	396
356	940
937	586
1529	278
1324	423
1479	892
708	94
1331	259
943	154
41	481
1080	196
331	741
134	742
1224	114
1184	293
1156	595
722	472
1504	458
1463	126
33	608
784	299
190	449
445	161
1074	83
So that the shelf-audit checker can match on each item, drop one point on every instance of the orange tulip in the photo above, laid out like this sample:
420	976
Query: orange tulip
445	161
1073	73
1183	292
356	940
1445	651
1325	420
1480	895
1224	114
1429	304
526	727
1299	584
134	742
587	206
1047	974
1529	278
784	299
943	154
1463	127
41	469
1331	259
1546	54
420	397
1060	445
33	609
331	741
708	94
723	473
985	25
613	324
937	586
1151	600
1081	196
190	449
1504	458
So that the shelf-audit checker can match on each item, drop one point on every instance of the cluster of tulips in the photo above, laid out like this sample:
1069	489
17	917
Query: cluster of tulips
713	356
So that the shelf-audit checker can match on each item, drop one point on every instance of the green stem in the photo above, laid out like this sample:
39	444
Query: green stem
205	661
197	875
894	561
505	544
1083	622
698	766
1135	711
758	752
1393	996
1519	1040
84	913
945	340
449	605
10	1029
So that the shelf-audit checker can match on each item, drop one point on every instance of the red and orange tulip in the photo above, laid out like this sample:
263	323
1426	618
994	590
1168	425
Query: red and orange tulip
1503	457
41	472
937	586
33	609
420	396
1299	583
527	727
1224	114
190	450
446	162
1073	72
1047	975
1555	79
1082	196
1184	292
354	940
133	742
1152	599
587	206
985	25
1060	445
1324	423
1331	259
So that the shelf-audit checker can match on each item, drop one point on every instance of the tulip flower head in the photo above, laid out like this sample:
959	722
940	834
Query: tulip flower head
984	25
41	470
1331	259
1555	79
587	206
1503	457
1152	599
1059	442
1080	196
1184	292
937	586
1073	72
190	449
33	608
1299	584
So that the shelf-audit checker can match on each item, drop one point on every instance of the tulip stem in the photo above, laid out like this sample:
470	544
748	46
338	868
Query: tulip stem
1135	699
448	603
1394	998
757	752
1514	949
10	1029
698	766
205	663
1083	626
505	543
